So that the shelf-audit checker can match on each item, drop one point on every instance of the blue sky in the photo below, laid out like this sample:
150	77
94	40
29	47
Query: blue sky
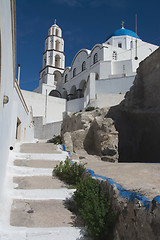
84	23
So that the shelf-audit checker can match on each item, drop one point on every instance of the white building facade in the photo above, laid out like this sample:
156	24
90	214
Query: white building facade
105	72
16	122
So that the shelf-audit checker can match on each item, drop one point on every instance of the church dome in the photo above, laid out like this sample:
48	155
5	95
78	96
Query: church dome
124	31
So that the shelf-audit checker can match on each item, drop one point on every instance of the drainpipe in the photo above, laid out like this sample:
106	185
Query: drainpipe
19	69
46	106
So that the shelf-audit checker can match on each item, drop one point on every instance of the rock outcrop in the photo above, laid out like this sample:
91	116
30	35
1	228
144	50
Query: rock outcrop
137	220
137	118
91	131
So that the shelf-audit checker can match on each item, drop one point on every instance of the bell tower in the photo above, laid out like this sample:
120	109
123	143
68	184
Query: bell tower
53	59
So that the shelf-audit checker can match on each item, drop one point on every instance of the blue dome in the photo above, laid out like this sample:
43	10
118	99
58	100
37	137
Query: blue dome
123	31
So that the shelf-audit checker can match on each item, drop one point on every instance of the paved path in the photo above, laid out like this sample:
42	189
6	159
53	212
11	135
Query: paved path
137	177
37	199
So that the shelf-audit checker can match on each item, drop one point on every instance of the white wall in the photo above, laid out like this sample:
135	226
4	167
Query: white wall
16	106
101	101
108	100
24	113
116	86
122	67
51	107
6	87
75	105
46	131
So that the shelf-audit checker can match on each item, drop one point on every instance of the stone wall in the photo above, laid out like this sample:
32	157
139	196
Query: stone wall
137	118
139	217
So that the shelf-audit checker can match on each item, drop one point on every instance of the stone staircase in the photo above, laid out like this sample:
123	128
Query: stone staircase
37	198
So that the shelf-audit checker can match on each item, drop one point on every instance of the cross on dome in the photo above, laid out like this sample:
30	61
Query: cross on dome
122	24
55	21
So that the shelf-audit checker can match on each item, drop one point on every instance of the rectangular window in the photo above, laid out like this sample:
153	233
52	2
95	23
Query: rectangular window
120	45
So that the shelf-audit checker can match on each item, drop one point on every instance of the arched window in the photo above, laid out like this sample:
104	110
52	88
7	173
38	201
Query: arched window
95	58
83	66
73	92
57	61
131	44
57	77
55	93
74	72
114	55
57	32
51	43
66	78
57	45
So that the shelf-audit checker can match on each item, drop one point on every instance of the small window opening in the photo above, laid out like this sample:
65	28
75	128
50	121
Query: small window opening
120	45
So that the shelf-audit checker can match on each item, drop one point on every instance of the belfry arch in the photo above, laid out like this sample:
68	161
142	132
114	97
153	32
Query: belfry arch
57	45
57	77
57	61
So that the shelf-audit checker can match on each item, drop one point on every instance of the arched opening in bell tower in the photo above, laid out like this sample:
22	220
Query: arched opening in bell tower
43	77
57	32
57	45
57	61
57	76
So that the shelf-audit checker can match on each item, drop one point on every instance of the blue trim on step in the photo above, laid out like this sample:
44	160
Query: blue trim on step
125	194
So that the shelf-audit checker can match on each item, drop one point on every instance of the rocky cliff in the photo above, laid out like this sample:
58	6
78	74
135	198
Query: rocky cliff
92	131
137	118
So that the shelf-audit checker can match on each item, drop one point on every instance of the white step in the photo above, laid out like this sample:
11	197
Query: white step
42	194
36	156
27	171
58	233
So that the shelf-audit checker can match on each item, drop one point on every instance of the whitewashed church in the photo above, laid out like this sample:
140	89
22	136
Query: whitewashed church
101	76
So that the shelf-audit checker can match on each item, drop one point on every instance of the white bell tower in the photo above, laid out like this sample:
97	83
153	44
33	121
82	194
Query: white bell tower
53	60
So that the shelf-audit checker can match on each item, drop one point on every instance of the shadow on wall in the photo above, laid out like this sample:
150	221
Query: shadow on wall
139	135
